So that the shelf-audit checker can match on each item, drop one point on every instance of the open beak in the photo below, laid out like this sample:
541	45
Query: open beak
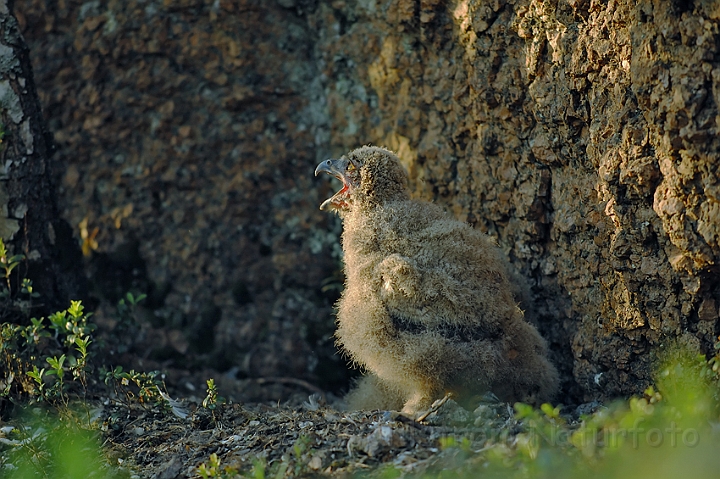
338	169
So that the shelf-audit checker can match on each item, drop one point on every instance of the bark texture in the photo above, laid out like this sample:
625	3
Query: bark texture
582	135
30	224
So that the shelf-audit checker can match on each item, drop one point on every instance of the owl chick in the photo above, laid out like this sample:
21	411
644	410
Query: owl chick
427	306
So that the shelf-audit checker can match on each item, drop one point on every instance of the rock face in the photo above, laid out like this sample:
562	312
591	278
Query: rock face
582	135
189	132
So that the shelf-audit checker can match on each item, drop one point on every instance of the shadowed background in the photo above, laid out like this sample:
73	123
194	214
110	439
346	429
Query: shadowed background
582	136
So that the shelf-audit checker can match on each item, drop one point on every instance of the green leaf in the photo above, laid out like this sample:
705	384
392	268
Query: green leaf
135	300
56	363
524	410
16	259
37	374
76	309
58	320
549	411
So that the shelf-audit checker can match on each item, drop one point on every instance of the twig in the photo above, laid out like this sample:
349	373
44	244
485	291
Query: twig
435	407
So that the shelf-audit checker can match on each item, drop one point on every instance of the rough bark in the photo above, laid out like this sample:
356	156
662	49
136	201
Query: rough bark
582	135
31	224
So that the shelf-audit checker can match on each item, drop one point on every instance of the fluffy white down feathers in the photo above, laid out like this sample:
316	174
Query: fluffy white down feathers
427	306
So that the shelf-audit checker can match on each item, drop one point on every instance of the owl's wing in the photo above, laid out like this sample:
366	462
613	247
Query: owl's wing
399	276
407	281
418	299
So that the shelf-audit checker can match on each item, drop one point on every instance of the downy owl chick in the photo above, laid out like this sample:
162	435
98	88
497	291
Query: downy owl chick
427	306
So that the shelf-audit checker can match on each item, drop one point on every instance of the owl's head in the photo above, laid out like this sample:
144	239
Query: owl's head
371	177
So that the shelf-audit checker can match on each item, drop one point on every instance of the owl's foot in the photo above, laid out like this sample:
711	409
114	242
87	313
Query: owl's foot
418	402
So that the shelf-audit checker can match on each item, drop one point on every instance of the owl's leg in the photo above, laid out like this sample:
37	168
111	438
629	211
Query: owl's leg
370	392
418	401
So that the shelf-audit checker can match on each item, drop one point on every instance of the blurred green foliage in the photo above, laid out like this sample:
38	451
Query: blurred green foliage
669	432
44	445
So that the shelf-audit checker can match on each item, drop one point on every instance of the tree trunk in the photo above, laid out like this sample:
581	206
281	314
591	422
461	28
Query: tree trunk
31	224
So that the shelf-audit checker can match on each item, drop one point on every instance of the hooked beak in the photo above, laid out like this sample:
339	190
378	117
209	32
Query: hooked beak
338	169
335	168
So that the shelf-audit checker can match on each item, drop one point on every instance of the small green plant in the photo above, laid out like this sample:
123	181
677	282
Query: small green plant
127	320
449	442
81	362
133	385
37	353
126	307
33	333
37	376
212	400
22	346
57	369
24	301
213	469
301	450
12	300
8	263
301	446
71	324
47	446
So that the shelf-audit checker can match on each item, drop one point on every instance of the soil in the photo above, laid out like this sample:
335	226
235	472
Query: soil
304	435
